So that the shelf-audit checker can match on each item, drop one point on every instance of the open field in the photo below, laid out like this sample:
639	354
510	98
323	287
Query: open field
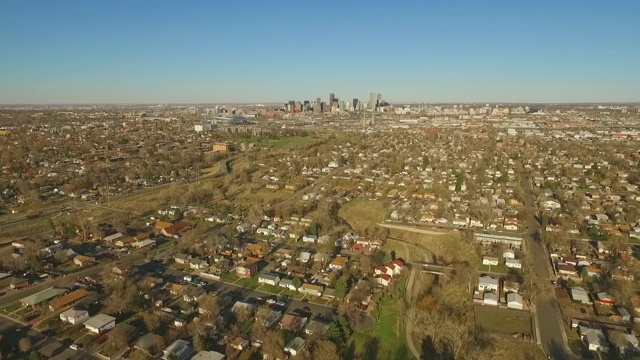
502	321
362	214
386	340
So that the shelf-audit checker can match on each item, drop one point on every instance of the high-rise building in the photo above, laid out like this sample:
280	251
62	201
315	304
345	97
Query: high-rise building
355	104
292	105
332	97
373	101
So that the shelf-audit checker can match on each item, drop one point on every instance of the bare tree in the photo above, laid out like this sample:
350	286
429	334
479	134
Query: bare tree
24	345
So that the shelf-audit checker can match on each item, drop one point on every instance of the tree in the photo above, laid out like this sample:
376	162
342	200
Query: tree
151	321
209	306
296	282
121	296
341	288
325	350
118	338
24	345
273	344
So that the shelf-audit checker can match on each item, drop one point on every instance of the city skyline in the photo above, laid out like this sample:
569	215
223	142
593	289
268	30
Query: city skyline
93	53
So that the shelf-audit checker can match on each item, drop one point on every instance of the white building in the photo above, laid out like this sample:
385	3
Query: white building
513	263
515	301
487	283
73	316
100	323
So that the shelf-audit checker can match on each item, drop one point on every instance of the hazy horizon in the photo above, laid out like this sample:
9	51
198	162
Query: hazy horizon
76	52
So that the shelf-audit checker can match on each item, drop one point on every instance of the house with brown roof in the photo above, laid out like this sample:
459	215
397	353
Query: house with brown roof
125	241
176	229
161	225
293	322
338	263
68	300
82	260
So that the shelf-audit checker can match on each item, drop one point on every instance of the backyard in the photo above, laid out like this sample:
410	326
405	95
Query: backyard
502	321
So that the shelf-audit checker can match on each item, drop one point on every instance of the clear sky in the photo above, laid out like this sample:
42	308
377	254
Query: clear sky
214	51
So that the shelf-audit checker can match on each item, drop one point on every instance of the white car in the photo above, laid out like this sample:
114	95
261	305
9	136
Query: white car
74	346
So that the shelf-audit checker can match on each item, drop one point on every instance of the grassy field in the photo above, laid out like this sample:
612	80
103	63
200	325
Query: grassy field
362	214
386	340
393	245
502	321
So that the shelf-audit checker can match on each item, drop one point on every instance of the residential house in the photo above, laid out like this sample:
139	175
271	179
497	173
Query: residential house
287	284
310	239
304	257
100	323
247	270
243	306
42	296
382	279
317	326
149	343
143	243
294	346
515	301
125	241
338	263
594	339
269	279
111	238
593	272
67	300
579	294
490	299
198	264
293	322
605	299
240	343
509	254
315	290
74	316
176	229
272	317
627	344
487	283
490	260
182	258
567	270
551	205
513	263
178	350
82	260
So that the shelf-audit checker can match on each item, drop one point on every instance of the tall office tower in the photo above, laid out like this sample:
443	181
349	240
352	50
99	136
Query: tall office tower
373	101
332	97
292	106
355	104
323	107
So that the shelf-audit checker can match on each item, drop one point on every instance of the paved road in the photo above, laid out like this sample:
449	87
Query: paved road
408	321
547	313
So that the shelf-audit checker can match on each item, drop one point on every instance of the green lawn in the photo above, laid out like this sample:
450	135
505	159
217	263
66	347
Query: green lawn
502	321
13	307
251	283
386	340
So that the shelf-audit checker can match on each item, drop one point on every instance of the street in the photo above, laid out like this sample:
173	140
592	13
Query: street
547	315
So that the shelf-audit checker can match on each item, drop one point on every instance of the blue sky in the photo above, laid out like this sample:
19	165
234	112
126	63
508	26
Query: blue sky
267	51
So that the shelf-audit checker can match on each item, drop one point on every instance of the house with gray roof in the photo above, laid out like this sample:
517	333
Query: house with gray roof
269	279
42	296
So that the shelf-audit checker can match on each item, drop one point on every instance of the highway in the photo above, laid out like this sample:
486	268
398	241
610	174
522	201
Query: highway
548	318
